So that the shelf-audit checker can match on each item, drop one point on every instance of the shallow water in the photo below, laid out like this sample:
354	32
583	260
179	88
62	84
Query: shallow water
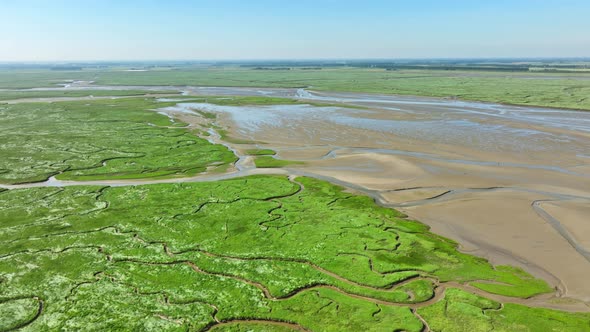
255	118
449	127
487	126
559	118
472	150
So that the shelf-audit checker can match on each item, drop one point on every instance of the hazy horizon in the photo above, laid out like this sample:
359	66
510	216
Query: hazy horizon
294	60
59	31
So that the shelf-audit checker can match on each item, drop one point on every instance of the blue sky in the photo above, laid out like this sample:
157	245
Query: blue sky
288	29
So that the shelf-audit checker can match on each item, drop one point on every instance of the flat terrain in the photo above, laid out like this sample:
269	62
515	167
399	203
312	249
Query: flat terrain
37	95
522	88
172	256
489	164
105	139
143	213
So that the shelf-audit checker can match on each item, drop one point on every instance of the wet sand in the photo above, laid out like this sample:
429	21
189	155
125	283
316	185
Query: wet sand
574	216
472	171
509	183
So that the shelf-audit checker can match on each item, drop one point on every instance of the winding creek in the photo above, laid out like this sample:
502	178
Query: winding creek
478	173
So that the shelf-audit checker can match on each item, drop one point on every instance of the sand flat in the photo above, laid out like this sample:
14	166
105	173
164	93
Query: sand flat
574	216
509	183
502	227
475	168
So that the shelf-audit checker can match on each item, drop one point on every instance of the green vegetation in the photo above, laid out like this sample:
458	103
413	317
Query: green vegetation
253	101
565	90
516	317
525	89
15	311
249	327
516	275
462	311
207	115
261	152
102	139
11	95
261	248
264	253
224	135
38	78
266	161
242	100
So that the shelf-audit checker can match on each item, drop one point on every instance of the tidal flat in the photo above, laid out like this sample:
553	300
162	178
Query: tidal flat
143	213
494	161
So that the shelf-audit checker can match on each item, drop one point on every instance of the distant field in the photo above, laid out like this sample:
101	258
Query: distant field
10	95
22	79
563	90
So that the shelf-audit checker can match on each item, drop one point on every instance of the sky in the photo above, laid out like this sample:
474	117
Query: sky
84	30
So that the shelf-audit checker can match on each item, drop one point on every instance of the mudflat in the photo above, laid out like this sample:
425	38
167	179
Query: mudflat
509	183
475	172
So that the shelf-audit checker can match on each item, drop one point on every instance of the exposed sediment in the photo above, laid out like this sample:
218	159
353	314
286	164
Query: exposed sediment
486	183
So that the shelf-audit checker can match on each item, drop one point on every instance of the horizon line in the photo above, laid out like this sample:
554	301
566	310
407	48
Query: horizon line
296	59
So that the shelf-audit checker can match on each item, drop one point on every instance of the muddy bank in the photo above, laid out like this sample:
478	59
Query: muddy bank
472	171
508	183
